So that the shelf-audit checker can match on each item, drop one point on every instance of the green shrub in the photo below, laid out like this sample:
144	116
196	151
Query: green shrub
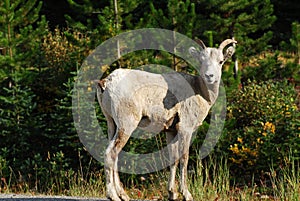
262	126
273	66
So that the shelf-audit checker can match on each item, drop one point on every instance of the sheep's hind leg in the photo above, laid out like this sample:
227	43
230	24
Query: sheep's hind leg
184	144
117	183
113	186
120	143
110	156
173	155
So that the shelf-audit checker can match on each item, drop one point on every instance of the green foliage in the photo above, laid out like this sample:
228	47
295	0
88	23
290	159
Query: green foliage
262	126
102	19
89	19
243	19
273	66
40	149
4	172
21	29
167	16
294	42
232	81
286	13
164	14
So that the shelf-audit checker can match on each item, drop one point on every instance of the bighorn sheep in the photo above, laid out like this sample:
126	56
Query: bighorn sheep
157	102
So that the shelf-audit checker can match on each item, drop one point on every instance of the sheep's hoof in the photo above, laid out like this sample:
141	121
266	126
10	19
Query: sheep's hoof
187	196
188	200
121	192
113	196
173	196
124	197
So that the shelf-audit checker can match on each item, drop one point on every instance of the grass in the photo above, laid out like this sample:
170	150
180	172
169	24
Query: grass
209	180
212	181
285	183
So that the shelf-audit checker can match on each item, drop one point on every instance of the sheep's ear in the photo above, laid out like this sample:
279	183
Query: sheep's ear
229	52
194	52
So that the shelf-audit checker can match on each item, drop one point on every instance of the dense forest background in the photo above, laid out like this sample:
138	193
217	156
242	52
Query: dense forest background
43	44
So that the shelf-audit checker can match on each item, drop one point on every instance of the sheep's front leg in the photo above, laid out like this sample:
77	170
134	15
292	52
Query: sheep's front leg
111	155
184	144
174	158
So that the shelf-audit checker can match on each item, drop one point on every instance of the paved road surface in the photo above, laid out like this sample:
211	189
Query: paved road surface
14	197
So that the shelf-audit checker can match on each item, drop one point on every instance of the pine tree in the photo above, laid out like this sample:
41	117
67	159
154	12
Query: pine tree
286	12
175	15
295	40
248	21
21	29
85	18
103	19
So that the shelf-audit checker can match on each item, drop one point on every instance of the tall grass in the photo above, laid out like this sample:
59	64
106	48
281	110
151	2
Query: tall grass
94	186
210	179
285	181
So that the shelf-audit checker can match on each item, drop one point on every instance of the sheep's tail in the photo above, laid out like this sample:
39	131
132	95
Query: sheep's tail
100	87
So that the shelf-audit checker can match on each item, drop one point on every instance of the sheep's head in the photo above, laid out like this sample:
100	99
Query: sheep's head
212	59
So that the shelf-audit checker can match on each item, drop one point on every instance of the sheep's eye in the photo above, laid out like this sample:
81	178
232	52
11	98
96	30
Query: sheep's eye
220	62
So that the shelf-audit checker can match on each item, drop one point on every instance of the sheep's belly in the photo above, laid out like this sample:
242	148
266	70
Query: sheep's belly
157	121
153	127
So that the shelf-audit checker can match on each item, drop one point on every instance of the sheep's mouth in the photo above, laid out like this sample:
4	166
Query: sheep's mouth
210	80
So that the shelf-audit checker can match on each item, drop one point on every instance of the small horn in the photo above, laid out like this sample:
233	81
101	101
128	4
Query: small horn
200	42
226	42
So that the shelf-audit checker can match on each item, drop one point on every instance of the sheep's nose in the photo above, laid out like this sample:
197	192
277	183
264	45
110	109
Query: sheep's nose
209	76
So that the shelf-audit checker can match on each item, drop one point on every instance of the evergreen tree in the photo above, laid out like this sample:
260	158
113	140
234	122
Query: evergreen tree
286	12
175	15
295	40
21	29
85	16
248	21
103	19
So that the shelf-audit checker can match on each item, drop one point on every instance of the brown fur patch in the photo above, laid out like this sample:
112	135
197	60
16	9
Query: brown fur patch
121	139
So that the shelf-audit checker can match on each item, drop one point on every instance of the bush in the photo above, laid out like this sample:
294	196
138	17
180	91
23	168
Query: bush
272	66
262	126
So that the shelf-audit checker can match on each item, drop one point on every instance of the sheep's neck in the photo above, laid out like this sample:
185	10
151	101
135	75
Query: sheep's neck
209	92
